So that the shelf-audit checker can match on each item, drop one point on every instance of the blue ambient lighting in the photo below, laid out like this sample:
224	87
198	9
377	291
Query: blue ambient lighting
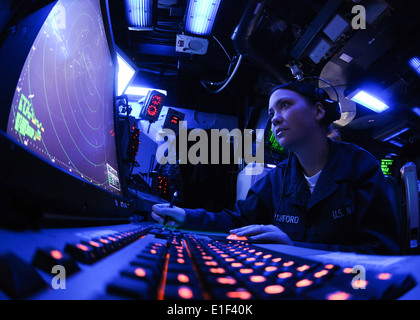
139	14
201	15
369	101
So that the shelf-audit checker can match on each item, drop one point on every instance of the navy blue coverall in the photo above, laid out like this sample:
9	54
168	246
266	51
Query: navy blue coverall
349	209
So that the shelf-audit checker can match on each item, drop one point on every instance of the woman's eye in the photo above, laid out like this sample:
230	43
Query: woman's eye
284	104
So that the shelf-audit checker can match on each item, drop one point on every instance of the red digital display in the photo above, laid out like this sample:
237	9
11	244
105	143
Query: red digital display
174	120
152	110
152	105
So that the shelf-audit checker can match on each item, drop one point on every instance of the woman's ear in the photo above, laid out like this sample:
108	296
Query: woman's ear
320	111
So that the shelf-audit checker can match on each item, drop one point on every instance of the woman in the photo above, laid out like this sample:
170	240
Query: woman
327	195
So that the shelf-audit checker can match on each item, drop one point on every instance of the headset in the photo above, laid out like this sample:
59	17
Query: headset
316	94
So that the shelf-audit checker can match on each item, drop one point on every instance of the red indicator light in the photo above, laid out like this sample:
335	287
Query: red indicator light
239	294
285	275
226	280
339	295
303	283
384	276
140	272
274	289
56	254
183	278
257	279
185	293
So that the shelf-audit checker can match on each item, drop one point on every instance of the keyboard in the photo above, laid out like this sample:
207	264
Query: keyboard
151	263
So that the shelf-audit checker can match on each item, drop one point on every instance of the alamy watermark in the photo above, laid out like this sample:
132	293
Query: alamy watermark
359	20
59	280
248	146
359	280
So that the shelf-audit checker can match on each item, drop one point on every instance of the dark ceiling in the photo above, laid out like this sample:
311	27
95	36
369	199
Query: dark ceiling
271	36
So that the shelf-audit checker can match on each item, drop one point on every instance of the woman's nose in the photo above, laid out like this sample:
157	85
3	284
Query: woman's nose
276	119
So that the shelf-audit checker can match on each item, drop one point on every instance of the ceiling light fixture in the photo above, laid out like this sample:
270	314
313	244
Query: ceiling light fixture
140	14
200	16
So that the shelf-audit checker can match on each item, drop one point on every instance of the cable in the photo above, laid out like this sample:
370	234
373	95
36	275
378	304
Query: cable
226	82
223	48
325	81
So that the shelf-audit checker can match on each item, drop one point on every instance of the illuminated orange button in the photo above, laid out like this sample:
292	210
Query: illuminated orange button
360	284
274	289
183	278
82	247
270	268
56	254
94	244
339	295
246	270
233	236
217	270
384	276
321	273
185	293
140	272
276	260
285	275
329	266
180	260
303	268
303	283
288	263
226	280
239	294
257	279
236	264
348	270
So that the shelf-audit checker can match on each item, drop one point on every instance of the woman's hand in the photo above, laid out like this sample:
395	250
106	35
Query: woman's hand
171	217
263	232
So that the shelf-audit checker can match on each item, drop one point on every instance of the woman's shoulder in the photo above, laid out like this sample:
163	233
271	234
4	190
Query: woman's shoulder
353	150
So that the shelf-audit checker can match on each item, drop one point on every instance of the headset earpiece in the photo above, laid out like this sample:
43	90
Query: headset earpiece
319	94
332	108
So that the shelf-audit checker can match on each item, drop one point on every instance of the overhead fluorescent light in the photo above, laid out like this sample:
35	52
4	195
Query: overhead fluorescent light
140	14
416	110
367	100
141	91
126	73
200	16
415	64
396	143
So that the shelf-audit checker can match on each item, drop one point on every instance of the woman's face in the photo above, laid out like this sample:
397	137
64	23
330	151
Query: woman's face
293	119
